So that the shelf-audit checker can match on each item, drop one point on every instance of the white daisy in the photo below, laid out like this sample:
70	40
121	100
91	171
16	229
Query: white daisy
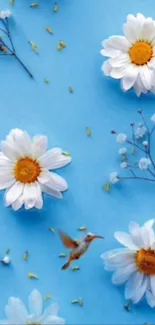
5	14
17	313
132	57
24	170
134	264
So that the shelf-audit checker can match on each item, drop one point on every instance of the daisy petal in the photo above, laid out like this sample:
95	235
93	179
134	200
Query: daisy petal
30	195
39	145
148	31
122	274
118	42
118	73
125	240
51	155
106	68
39	201
130	77
141	291
35	303
119	61
146	75
109	52
133	284
6	182
16	205
133	228
14	193
57	182
150	299
16	311
51	191
10	151
152	284
121	258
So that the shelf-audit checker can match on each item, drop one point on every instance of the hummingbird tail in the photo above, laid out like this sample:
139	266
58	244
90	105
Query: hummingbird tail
65	266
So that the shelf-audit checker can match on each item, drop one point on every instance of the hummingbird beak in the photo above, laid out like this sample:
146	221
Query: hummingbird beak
99	237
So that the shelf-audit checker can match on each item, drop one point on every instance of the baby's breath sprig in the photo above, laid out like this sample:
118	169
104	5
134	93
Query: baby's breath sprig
5	49
139	146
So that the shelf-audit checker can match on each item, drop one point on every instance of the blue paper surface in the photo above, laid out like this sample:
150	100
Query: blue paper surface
98	103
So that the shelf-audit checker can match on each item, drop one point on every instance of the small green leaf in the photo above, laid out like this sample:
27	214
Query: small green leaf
12	2
7	251
32	276
127	307
107	187
26	256
56	8
49	30
34	5
88	132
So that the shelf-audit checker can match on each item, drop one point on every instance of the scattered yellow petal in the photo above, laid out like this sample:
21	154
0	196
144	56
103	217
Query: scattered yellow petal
75	268
56	8
33	46
83	228
75	301
88	132
81	302
67	154
51	230
12	2
47	81
49	30
62	45
48	297
26	256
7	251
34	5
62	255
70	89
32	276
78	301
107	187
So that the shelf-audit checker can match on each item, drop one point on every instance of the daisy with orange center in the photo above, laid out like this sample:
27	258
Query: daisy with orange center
132	56
135	263
25	166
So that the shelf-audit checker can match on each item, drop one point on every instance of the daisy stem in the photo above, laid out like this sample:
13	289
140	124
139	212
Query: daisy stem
151	172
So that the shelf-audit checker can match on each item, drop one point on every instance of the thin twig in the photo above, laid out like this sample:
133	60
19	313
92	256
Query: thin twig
138	178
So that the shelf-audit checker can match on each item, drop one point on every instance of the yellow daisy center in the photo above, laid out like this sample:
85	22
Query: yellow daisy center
141	52
27	170
145	260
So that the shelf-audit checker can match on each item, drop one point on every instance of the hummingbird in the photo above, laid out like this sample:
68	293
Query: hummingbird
77	247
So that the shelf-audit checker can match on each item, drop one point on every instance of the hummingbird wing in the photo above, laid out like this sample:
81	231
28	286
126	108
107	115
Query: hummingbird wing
67	240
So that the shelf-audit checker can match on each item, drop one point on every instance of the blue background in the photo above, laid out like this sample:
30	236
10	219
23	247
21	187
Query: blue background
97	102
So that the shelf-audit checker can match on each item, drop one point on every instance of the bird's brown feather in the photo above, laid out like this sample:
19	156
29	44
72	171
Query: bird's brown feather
67	240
